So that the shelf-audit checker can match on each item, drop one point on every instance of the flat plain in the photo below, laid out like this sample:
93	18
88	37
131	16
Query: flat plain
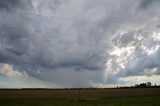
80	97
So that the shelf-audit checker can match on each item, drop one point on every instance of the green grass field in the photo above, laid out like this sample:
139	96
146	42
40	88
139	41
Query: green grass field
126	101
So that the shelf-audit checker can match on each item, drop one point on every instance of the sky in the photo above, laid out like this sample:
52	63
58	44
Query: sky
79	43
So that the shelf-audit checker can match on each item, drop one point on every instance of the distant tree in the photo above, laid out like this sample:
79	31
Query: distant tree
136	85
148	84
143	85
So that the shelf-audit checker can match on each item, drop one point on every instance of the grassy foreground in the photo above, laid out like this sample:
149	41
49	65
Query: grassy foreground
127	101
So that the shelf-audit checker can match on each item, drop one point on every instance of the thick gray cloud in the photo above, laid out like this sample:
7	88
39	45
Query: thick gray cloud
9	4
146	3
12	5
66	41
29	43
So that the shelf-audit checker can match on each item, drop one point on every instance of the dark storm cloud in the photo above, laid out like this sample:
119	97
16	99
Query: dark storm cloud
144	4
10	5
25	42
66	41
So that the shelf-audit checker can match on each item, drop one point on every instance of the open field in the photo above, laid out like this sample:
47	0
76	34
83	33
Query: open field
71	94
83	97
131	101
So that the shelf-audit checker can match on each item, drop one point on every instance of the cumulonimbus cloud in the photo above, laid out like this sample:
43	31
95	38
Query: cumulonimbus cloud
79	35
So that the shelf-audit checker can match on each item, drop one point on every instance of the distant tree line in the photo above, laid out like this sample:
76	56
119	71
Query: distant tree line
148	84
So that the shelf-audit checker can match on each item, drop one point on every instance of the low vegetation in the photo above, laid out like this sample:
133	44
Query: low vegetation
81	97
129	101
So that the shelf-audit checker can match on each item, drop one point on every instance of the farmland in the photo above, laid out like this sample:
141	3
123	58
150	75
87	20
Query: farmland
86	97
